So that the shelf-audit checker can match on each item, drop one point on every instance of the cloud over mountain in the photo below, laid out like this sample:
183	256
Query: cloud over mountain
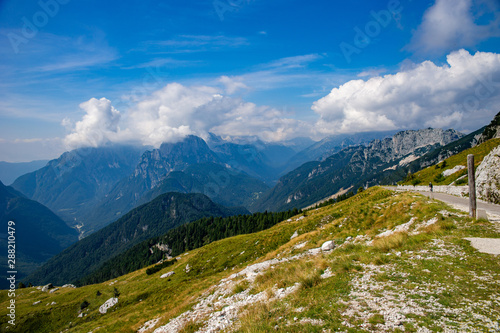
463	91
98	126
175	111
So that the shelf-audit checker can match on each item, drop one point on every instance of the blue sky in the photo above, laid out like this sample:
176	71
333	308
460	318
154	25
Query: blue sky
79	73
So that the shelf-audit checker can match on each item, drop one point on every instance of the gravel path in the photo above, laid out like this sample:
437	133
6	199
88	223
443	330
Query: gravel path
486	245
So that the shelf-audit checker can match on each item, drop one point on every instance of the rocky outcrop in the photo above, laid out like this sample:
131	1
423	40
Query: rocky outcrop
166	275
491	131
488	177
108	304
156	164
47	287
328	246
404	143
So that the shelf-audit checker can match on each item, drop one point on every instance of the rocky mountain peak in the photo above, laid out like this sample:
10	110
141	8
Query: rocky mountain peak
405	142
157	163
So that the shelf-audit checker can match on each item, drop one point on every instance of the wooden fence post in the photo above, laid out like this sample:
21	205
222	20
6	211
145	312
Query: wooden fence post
472	186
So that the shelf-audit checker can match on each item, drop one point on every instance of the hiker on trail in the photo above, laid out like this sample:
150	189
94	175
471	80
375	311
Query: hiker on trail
430	186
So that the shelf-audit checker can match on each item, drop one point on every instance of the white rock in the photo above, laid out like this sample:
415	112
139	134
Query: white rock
314	252
301	245
37	302
108	304
53	290
295	234
148	325
166	275
187	269
69	286
488	177
328	273
327	246
47	287
448	172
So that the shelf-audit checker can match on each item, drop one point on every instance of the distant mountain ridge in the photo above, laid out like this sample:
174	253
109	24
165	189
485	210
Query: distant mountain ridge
72	184
354	166
91	187
330	145
9	172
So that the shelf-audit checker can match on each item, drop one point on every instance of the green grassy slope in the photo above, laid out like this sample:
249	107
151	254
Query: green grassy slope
431	174
153	219
422	276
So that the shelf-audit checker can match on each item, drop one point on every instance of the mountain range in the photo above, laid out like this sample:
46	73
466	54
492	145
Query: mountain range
78	180
352	167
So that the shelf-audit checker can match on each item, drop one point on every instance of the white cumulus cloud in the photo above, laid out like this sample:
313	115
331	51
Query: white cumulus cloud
171	113
464	93
451	24
98	126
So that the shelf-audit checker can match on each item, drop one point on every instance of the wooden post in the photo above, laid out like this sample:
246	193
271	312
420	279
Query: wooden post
472	186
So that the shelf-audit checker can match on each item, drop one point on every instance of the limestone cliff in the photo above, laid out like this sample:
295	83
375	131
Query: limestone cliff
488	177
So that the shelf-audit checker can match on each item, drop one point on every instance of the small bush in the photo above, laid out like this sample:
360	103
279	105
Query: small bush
116	293
84	305
191	327
376	319
439	178
240	287
310	280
